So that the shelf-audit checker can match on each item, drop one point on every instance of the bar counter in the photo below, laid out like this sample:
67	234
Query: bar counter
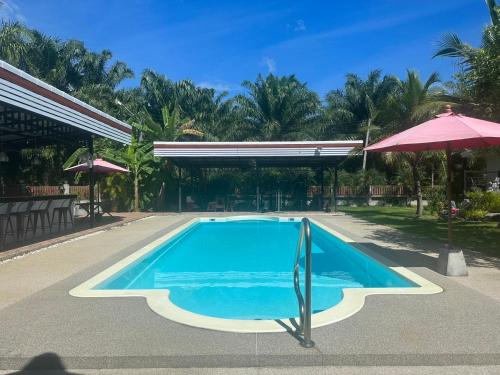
23	218
26	198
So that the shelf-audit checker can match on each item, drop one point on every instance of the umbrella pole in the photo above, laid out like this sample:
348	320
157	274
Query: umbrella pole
451	262
448	196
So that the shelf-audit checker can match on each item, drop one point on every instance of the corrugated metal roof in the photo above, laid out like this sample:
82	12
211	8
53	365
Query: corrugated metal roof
27	93
254	149
234	154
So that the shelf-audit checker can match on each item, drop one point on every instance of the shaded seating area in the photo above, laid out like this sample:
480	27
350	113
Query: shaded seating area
26	219
254	157
34	114
99	167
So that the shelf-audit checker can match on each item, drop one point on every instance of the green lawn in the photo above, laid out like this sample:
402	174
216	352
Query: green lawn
484	236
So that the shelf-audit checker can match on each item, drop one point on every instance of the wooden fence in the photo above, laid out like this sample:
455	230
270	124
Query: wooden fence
360	191
387	191
343	191
81	191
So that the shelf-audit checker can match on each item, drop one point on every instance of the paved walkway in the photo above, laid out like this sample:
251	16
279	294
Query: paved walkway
81	228
458	327
36	270
484	271
313	370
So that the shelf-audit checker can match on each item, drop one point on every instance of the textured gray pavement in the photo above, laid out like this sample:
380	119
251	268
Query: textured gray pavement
457	327
325	370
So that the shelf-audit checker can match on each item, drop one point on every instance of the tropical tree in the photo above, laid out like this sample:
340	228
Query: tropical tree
414	102
360	104
139	160
210	111
173	128
67	65
14	44
278	108
479	80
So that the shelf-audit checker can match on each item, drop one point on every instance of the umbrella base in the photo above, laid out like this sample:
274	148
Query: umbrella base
451	262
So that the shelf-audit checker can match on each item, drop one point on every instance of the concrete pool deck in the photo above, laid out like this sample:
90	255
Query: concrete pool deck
37	315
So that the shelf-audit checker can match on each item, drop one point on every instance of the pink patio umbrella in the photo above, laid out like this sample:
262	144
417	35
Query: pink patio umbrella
448	131
98	166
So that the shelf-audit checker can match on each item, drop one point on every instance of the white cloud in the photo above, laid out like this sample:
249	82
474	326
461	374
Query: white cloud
367	26
269	63
10	11
300	25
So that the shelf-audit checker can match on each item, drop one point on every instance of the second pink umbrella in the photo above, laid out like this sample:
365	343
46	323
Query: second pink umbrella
448	131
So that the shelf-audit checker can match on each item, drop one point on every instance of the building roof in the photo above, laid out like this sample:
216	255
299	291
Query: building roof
32	109
265	154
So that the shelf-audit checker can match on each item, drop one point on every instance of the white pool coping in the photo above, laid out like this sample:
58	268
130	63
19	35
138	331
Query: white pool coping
158	299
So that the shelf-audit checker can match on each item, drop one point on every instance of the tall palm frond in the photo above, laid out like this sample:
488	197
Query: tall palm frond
277	108
452	46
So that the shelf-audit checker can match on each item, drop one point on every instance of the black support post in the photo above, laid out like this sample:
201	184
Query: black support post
179	207
322	189
335	189
257	195
91	181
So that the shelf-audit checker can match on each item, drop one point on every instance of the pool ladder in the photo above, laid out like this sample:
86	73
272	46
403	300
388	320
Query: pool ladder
305	311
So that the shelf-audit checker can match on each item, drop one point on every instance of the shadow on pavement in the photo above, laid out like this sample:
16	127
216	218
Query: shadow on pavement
400	257
46	363
417	245
291	329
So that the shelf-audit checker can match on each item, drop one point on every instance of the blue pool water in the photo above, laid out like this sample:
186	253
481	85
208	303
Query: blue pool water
243	269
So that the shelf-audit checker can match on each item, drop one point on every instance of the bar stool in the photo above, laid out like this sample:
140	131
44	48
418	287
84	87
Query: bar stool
19	211
4	223
63	210
39	210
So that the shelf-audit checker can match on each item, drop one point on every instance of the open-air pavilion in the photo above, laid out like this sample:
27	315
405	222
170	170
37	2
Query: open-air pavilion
257	155
34	114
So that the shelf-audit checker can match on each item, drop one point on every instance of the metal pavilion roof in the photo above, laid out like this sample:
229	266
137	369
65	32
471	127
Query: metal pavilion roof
33	112
264	154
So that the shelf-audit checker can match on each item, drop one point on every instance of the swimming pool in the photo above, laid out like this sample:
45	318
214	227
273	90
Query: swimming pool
241	269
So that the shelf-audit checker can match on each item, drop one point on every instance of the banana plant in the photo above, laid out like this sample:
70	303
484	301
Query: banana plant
172	128
139	159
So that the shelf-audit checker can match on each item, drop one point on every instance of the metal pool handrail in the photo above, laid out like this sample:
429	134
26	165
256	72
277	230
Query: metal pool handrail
305	311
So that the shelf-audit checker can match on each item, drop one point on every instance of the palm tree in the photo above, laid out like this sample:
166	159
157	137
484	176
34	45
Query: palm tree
415	101
278	108
14	39
360	105
480	78
452	46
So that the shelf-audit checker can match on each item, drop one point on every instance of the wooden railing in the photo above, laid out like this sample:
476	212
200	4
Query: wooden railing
359	191
387	190
351	191
81	191
44	190
38	190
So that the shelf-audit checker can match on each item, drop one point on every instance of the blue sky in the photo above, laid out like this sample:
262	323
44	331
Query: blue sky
221	43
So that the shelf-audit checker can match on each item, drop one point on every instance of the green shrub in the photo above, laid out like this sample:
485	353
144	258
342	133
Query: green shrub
474	214
436	199
484	200
495	201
